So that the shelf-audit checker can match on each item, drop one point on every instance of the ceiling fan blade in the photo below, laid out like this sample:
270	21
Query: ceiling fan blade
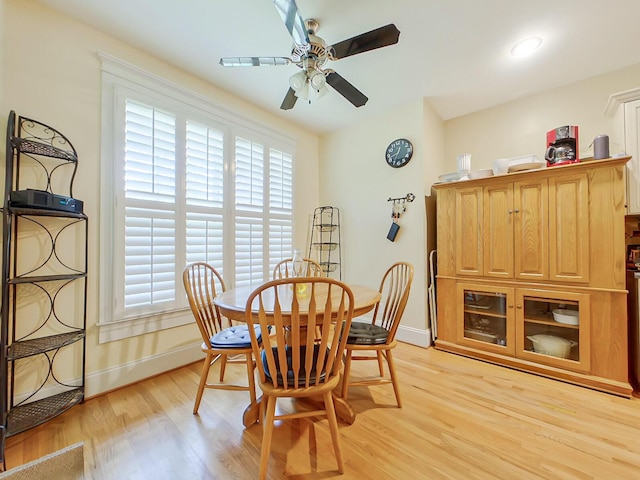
292	19
254	61
380	37
347	90
289	100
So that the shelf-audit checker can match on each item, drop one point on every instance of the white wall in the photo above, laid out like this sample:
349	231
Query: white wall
355	178
51	72
519	127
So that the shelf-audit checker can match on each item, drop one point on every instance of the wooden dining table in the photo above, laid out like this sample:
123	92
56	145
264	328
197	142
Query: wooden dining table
232	304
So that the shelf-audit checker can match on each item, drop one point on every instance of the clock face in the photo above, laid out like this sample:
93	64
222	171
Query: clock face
399	152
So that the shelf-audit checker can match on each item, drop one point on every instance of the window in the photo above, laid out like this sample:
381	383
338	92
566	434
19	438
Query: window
184	181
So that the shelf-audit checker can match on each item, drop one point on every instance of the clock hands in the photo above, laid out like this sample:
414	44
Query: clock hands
394	156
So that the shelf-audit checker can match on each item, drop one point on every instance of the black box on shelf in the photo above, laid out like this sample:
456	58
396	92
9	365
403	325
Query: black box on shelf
31	198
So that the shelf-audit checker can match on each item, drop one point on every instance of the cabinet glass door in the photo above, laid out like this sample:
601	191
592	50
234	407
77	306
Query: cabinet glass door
553	328
485	319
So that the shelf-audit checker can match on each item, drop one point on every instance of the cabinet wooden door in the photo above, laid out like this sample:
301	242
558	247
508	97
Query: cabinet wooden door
485	318
469	244
553	328
531	237
498	230
569	228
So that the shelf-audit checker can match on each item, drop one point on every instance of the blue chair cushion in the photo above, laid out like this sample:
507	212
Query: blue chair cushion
290	376
367	334
235	337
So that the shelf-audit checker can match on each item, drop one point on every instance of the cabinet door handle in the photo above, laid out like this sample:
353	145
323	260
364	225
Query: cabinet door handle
514	211
519	307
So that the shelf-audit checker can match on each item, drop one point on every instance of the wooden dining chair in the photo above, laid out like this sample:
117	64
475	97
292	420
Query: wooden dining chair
379	336
284	269
202	283
291	361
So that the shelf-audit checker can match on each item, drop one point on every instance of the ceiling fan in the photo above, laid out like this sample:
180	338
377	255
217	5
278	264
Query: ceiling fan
311	54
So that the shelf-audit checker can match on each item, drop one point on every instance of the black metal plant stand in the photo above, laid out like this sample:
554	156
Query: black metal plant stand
325	240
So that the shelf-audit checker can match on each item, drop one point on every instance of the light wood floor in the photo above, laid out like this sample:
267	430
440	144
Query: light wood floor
462	419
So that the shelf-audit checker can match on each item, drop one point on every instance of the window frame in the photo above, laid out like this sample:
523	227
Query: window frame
120	81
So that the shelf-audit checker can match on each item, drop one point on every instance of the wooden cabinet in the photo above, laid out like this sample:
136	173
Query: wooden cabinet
469	224
516	232
551	319
486	317
513	248
498	222
531	233
569	227
534	229
543	326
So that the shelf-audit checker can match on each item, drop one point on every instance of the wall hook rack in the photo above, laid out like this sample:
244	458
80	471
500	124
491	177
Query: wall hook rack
398	207
410	197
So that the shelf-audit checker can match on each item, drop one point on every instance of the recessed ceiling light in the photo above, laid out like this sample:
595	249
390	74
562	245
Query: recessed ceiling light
526	47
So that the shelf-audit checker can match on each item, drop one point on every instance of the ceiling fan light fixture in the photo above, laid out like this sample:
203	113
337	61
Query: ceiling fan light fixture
317	80
303	92
321	92
298	80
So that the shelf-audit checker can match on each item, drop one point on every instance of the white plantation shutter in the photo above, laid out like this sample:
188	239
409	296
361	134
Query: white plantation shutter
249	252
188	188
280	182
249	207
249	176
149	192
150	150
204	194
280	240
150	257
205	165
205	239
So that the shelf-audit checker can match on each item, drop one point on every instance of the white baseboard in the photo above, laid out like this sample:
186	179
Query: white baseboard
414	336
128	373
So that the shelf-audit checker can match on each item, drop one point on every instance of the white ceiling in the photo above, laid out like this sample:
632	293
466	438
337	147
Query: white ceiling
455	53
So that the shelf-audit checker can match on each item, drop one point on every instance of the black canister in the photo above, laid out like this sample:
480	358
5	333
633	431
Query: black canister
601	147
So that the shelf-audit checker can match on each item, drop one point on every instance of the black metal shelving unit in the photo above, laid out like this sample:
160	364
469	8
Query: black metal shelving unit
325	240
39	271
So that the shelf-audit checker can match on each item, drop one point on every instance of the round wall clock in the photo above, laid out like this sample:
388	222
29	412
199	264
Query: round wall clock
398	153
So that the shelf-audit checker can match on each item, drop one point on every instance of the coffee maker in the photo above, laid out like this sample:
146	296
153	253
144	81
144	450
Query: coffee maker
562	146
